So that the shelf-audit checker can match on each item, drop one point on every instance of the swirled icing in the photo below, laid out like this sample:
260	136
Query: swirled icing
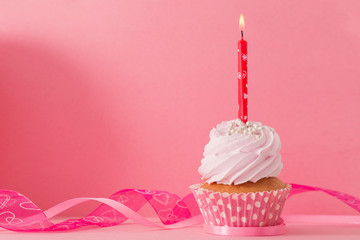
238	153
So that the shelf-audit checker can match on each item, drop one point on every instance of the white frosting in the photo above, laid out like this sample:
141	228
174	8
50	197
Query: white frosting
238	153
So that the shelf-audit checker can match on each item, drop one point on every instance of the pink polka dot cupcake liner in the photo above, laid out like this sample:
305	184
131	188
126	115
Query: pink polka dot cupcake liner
240	209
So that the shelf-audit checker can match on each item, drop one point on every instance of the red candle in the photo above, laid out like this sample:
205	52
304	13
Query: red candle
242	74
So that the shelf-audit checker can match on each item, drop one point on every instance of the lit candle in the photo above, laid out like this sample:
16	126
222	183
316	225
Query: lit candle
242	74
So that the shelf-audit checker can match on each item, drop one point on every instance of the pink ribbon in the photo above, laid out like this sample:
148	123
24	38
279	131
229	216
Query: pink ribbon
18	213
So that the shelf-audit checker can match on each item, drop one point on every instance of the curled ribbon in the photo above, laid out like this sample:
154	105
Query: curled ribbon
18	213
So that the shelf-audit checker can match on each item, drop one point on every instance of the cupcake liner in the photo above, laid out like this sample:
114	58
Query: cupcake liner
240	209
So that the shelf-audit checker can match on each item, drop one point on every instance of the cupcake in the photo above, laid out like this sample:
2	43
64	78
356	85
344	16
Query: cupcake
239	169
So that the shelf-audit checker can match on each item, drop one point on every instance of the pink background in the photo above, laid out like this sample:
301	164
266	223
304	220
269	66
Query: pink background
96	96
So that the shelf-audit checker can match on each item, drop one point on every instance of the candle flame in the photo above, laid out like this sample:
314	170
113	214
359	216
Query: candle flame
241	22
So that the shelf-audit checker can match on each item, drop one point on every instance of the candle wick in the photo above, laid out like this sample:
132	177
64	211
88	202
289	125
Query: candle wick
242	34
